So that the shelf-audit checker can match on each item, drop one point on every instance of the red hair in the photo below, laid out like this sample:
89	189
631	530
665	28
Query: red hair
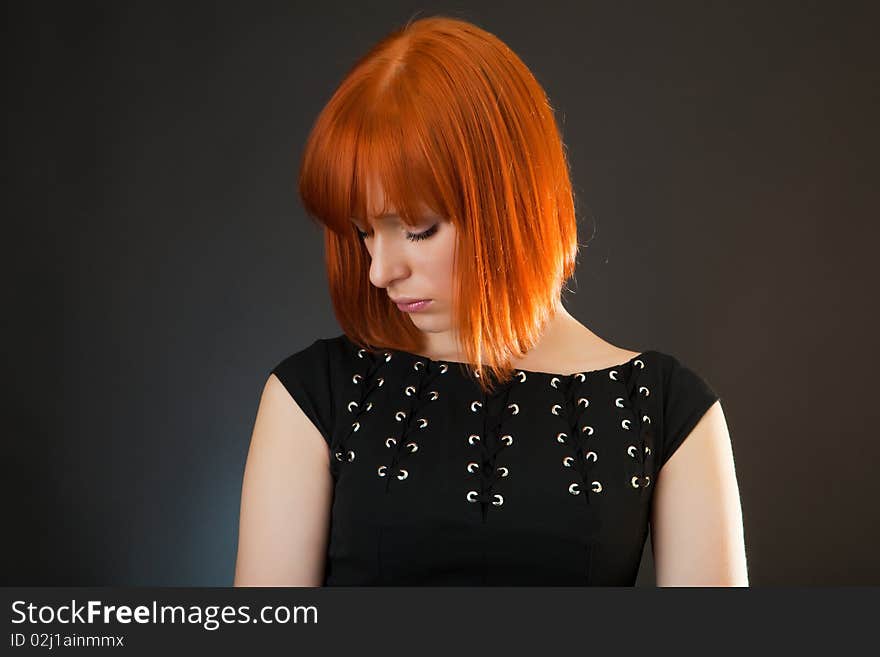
445	115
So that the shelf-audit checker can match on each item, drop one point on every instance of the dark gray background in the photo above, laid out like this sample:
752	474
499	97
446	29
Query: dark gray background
725	164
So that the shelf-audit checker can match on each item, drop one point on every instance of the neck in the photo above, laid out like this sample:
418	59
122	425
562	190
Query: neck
559	331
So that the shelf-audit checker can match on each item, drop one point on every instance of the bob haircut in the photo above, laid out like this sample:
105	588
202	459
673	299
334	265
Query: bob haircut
448	118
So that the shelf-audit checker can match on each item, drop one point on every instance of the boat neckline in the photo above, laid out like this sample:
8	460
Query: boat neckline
433	363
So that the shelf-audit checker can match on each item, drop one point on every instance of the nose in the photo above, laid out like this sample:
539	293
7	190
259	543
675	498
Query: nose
387	262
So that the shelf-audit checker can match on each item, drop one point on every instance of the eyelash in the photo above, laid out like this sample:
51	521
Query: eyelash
412	237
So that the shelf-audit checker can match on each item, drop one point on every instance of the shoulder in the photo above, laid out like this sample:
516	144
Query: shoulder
308	354
674	378
322	352
678	376
668	366
673	392
686	393
310	377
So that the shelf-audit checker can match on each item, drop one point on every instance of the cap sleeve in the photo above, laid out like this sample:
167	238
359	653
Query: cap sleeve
688	397
306	375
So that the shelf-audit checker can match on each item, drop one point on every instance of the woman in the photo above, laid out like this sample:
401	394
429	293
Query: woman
482	435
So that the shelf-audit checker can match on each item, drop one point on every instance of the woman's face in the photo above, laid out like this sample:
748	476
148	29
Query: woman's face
413	263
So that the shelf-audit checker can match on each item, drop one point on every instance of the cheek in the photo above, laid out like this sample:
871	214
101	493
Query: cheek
445	257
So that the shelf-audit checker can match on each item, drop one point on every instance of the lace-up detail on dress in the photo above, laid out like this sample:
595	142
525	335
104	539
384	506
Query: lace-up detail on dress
634	419
581	439
417	390
367	382
488	444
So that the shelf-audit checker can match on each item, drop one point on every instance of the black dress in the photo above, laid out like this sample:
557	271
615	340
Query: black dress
547	482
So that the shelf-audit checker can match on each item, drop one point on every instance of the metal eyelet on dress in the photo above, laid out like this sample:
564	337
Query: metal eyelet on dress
574	489
499	500
400	416
413	446
567	461
515	408
390	441
473	468
476	403
595	457
561	436
473	439
471	493
507	439
349	456
403	474
555	409
631	450
504	471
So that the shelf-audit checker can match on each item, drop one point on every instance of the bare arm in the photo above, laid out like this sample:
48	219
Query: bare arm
696	518
286	497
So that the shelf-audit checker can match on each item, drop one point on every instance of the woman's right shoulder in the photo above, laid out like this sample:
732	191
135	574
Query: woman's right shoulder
321	353
309	376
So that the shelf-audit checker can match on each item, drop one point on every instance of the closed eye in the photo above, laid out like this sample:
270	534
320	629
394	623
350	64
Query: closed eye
412	237
415	237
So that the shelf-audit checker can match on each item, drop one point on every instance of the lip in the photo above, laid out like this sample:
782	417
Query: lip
412	305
